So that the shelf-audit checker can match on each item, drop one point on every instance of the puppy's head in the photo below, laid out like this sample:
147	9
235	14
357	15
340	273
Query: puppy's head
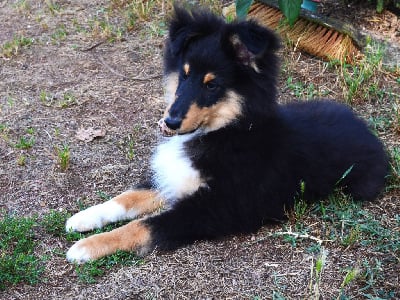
210	68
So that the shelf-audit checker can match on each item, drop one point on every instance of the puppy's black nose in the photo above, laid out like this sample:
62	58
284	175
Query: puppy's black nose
173	123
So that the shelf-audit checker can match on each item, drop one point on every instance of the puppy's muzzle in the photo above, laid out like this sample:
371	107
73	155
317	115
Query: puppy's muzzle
165	129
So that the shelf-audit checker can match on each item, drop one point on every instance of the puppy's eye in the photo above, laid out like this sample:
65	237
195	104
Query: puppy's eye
211	86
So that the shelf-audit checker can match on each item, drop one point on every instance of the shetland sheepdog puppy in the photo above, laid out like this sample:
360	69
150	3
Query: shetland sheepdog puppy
231	158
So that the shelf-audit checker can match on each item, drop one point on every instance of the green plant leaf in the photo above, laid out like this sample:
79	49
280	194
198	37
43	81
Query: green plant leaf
291	9
242	8
380	6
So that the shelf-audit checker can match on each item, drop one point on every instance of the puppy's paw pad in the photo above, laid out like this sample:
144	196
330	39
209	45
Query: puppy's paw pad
78	253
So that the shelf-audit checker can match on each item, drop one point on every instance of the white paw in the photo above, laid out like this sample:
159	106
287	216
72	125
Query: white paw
85	220
78	253
96	217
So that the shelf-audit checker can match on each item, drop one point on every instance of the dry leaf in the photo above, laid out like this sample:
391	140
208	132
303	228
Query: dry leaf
89	134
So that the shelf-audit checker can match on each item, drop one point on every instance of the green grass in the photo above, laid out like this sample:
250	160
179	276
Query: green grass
396	115
65	100
128	144
54	224
18	262
303	90
380	123
394	177
10	101
361	80
4	133
60	34
113	22
88	272
104	196
341	222
130	147
316	274
21	160
63	156
22	5
25	143
350	222
13	47
68	99
53	7
351	275
92	270
101	27
277	296
44	97
30	130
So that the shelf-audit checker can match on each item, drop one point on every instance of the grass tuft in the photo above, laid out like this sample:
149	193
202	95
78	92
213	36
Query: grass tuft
54	222
361	81
351	275
316	274
66	100
394	177
88	272
25	143
21	160
342	222
18	263
63	156
53	7
13	47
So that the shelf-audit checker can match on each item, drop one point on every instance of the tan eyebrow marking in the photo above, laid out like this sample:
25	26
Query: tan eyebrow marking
186	68
208	77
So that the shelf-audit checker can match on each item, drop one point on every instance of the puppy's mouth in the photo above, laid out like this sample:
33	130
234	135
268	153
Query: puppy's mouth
168	132
165	131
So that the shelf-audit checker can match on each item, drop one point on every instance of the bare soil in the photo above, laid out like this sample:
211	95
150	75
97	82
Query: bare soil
80	79
363	15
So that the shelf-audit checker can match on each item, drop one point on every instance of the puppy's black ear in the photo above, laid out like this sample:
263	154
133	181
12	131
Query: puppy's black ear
249	42
187	25
179	29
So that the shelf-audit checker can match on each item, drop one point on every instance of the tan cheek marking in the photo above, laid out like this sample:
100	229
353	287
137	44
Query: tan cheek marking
208	77
132	236
214	117
144	201
225	111
194	117
186	68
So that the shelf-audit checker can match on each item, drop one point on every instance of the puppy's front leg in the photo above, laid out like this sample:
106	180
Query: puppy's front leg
134	236
125	206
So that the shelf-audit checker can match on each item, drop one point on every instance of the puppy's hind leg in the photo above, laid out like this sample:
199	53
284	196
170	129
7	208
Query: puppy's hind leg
125	206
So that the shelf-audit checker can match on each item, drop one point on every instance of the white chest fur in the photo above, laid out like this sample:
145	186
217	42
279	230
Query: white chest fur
173	172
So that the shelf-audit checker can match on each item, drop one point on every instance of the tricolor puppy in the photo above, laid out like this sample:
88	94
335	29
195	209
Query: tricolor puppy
232	159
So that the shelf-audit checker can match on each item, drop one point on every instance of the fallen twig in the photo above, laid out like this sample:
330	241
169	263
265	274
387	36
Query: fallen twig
295	234
300	235
93	46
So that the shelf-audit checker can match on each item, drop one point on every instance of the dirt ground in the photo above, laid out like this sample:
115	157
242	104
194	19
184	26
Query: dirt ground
73	77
